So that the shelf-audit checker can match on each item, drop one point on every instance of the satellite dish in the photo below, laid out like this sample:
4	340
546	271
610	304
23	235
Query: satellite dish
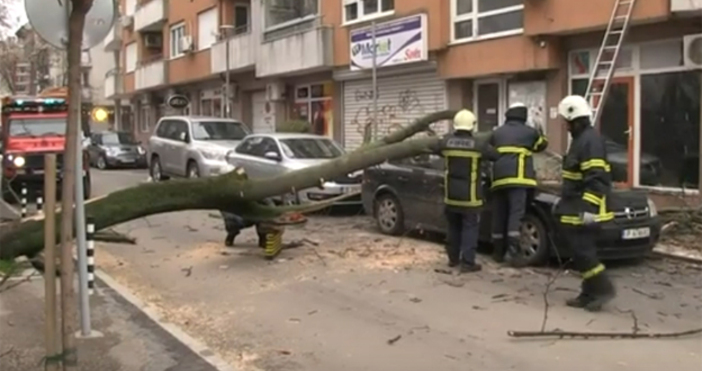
48	20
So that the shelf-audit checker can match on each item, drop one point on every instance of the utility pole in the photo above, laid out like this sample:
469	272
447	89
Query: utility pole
50	261
374	83
224	31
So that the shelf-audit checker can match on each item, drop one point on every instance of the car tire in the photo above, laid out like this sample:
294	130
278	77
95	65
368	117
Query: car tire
389	215
101	163
156	171
534	240
192	171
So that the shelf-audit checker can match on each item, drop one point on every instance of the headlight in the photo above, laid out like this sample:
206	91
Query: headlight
652	211
140	150
112	151
19	161
212	155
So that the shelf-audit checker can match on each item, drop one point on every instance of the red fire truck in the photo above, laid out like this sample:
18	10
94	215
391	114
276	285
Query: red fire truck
30	128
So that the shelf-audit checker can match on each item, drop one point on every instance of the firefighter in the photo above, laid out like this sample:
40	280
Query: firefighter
583	205
234	224
513	181
463	193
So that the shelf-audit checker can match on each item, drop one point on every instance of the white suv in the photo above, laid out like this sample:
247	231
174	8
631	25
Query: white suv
192	146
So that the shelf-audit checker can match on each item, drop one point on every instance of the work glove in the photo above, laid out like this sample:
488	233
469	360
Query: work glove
588	218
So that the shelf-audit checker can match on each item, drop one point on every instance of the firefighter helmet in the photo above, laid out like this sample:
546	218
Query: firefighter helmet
464	120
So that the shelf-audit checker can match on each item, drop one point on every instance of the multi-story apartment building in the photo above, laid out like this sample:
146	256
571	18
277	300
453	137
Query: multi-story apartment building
312	60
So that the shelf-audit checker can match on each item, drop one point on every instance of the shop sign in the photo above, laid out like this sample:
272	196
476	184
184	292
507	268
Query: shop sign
397	42
178	101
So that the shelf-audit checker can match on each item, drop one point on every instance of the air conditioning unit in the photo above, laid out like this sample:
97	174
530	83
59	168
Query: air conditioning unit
126	21
186	44
692	50
275	91
153	40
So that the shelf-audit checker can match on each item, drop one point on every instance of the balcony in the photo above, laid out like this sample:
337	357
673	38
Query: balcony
305	51
150	75
150	16
113	40
685	7
113	85
241	54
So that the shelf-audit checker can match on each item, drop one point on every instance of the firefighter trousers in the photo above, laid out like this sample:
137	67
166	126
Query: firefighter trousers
462	239
508	209
583	249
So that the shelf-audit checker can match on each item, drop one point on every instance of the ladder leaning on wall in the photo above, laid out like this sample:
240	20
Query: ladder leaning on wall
605	64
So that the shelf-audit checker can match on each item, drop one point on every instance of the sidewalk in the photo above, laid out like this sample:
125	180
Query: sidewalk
130	342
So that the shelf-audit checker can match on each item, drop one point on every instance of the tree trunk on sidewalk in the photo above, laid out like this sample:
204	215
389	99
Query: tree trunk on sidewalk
232	192
76	23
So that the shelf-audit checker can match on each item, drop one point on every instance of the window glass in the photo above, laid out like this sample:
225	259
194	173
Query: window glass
464	6
310	148
670	129
282	11
665	54
37	127
218	130
500	23
117	138
463	30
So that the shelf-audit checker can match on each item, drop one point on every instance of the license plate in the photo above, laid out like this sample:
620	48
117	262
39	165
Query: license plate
346	190
636	233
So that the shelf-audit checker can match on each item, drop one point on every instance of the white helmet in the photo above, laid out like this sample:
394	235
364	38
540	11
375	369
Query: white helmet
573	107
464	120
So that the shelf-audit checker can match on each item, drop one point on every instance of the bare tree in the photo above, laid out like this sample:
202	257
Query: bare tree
25	55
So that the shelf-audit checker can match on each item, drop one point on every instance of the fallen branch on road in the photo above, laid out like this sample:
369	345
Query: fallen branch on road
606	335
114	237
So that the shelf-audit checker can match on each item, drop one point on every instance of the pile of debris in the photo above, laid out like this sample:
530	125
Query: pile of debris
682	227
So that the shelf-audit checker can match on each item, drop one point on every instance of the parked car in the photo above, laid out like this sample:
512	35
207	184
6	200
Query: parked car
192	146
650	168
409	195
115	149
268	155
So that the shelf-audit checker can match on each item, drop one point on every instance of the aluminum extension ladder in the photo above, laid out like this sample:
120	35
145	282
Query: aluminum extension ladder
598	85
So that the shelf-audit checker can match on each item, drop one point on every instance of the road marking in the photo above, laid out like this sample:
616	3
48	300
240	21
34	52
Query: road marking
195	345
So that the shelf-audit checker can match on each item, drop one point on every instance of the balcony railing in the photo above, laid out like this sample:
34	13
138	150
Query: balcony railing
296	52
150	16
150	74
113	40
241	52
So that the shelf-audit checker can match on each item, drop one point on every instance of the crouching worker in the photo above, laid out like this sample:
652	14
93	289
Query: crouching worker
463	190
234	224
583	206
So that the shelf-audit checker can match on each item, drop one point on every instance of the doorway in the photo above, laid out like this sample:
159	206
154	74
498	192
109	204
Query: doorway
488	104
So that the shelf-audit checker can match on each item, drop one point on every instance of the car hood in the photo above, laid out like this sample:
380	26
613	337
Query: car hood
296	164
218	144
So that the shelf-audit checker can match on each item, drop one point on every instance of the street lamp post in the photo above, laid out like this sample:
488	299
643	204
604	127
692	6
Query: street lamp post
224	30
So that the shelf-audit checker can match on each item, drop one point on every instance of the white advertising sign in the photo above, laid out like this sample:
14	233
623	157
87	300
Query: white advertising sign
396	42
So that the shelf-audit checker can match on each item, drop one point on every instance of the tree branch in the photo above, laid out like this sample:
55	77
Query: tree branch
607	335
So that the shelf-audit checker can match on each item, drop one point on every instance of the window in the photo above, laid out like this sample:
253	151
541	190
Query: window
257	146
478	19
359	10
180	131
207	29
130	58
282	12
670	129
117	138
218	130
144	118
37	127
313	103
310	148
177	34
241	18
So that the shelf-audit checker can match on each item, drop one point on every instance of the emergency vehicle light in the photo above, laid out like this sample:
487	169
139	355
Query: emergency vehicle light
34	105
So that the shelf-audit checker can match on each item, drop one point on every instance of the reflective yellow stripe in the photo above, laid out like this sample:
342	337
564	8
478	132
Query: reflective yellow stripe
473	197
474	179
595	163
521	178
542	139
460	153
599	268
571	175
463	203
593	199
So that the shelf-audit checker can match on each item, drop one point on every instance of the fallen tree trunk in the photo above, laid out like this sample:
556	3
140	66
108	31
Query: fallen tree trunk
230	192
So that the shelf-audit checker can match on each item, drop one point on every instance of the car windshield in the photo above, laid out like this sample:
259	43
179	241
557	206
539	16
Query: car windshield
37	127
118	138
310	148
218	130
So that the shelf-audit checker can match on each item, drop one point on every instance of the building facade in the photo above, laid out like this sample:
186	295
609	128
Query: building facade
312	60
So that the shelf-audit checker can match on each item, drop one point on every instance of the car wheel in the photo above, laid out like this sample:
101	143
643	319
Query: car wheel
101	162
389	215
534	240
156	171
193	170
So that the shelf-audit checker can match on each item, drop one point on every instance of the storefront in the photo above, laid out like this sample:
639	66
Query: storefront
651	119
314	103
408	84
492	97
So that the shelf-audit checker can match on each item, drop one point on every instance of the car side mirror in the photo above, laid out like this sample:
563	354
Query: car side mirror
271	155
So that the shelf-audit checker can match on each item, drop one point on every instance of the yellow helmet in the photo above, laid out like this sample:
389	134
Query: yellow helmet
464	120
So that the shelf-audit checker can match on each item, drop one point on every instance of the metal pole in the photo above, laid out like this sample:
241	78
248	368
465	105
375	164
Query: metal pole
82	247
227	82
374	77
50	261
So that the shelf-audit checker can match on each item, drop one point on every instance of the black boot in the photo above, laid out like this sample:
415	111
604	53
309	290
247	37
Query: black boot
601	292
515	254
229	240
467	267
498	250
583	298
453	257
261	240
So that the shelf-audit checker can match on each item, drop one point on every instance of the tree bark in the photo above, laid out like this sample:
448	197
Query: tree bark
239	194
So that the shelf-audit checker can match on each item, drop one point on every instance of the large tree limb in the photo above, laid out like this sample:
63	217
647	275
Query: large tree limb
229	192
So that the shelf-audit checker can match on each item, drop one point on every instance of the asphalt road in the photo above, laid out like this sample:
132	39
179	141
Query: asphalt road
350	299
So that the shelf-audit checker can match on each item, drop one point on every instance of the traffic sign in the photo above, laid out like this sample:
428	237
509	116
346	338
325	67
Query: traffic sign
48	20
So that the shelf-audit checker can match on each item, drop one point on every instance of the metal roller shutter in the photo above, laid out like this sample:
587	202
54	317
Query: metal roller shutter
401	100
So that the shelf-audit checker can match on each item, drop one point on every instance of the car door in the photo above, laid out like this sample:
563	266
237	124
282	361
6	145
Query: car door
248	153
406	178
94	148
433	190
160	145
264	166
179	147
